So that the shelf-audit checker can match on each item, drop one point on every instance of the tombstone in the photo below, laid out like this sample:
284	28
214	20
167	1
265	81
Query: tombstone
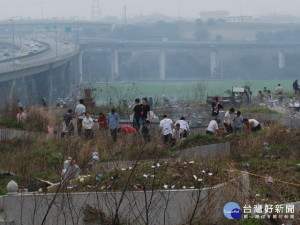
12	188
95	160
88	99
266	149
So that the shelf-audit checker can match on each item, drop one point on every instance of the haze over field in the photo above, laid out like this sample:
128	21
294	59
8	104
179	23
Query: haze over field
173	8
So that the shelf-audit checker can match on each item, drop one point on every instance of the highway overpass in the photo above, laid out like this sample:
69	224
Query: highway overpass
40	75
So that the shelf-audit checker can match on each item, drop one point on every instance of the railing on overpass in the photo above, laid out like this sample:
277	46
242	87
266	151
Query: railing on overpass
137	43
36	62
28	55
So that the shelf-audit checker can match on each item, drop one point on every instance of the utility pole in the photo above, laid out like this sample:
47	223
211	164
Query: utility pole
13	36
56	37
96	10
125	15
125	20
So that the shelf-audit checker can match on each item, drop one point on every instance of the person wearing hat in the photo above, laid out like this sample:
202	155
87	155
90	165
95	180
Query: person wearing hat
252	124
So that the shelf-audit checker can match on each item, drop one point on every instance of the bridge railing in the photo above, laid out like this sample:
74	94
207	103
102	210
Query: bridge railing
37	62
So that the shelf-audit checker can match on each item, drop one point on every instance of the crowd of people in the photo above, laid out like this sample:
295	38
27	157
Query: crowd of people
233	121
171	132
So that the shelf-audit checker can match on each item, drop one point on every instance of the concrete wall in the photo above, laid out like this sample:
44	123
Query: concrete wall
164	207
8	134
263	116
205	152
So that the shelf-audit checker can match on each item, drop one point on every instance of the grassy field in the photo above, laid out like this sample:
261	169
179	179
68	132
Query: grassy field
181	89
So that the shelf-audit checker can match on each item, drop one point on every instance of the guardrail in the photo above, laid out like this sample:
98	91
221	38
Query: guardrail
37	62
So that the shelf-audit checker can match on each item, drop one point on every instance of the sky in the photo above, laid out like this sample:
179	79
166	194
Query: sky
173	8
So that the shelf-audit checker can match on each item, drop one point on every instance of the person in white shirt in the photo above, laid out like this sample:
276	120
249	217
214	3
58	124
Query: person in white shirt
88	125
184	126
227	120
279	88
165	128
213	127
79	112
177	133
252	124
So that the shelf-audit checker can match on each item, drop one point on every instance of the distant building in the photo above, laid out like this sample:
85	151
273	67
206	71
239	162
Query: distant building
205	15
238	19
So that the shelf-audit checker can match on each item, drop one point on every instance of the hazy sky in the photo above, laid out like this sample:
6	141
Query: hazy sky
184	8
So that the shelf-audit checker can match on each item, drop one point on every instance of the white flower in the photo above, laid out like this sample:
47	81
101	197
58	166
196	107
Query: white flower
145	175
153	167
210	174
203	171
166	186
157	165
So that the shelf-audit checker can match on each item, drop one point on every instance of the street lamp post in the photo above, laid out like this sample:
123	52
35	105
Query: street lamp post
56	37
13	36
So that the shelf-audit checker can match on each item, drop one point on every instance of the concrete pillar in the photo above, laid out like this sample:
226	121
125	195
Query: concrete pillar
12	89
281	60
80	67
213	64
115	64
24	90
162	65
50	77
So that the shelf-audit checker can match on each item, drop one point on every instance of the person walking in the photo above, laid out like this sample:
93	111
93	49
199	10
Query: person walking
68	123
137	115
102	124
216	106
88	125
79	112
145	111
238	122
113	120
296	86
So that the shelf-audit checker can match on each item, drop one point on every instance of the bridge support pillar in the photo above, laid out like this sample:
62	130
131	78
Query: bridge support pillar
213	64
12	91
162	65
80	67
281	60
50	78
115	64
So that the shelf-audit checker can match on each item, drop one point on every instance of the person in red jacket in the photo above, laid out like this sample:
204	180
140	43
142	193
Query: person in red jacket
127	129
102	122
